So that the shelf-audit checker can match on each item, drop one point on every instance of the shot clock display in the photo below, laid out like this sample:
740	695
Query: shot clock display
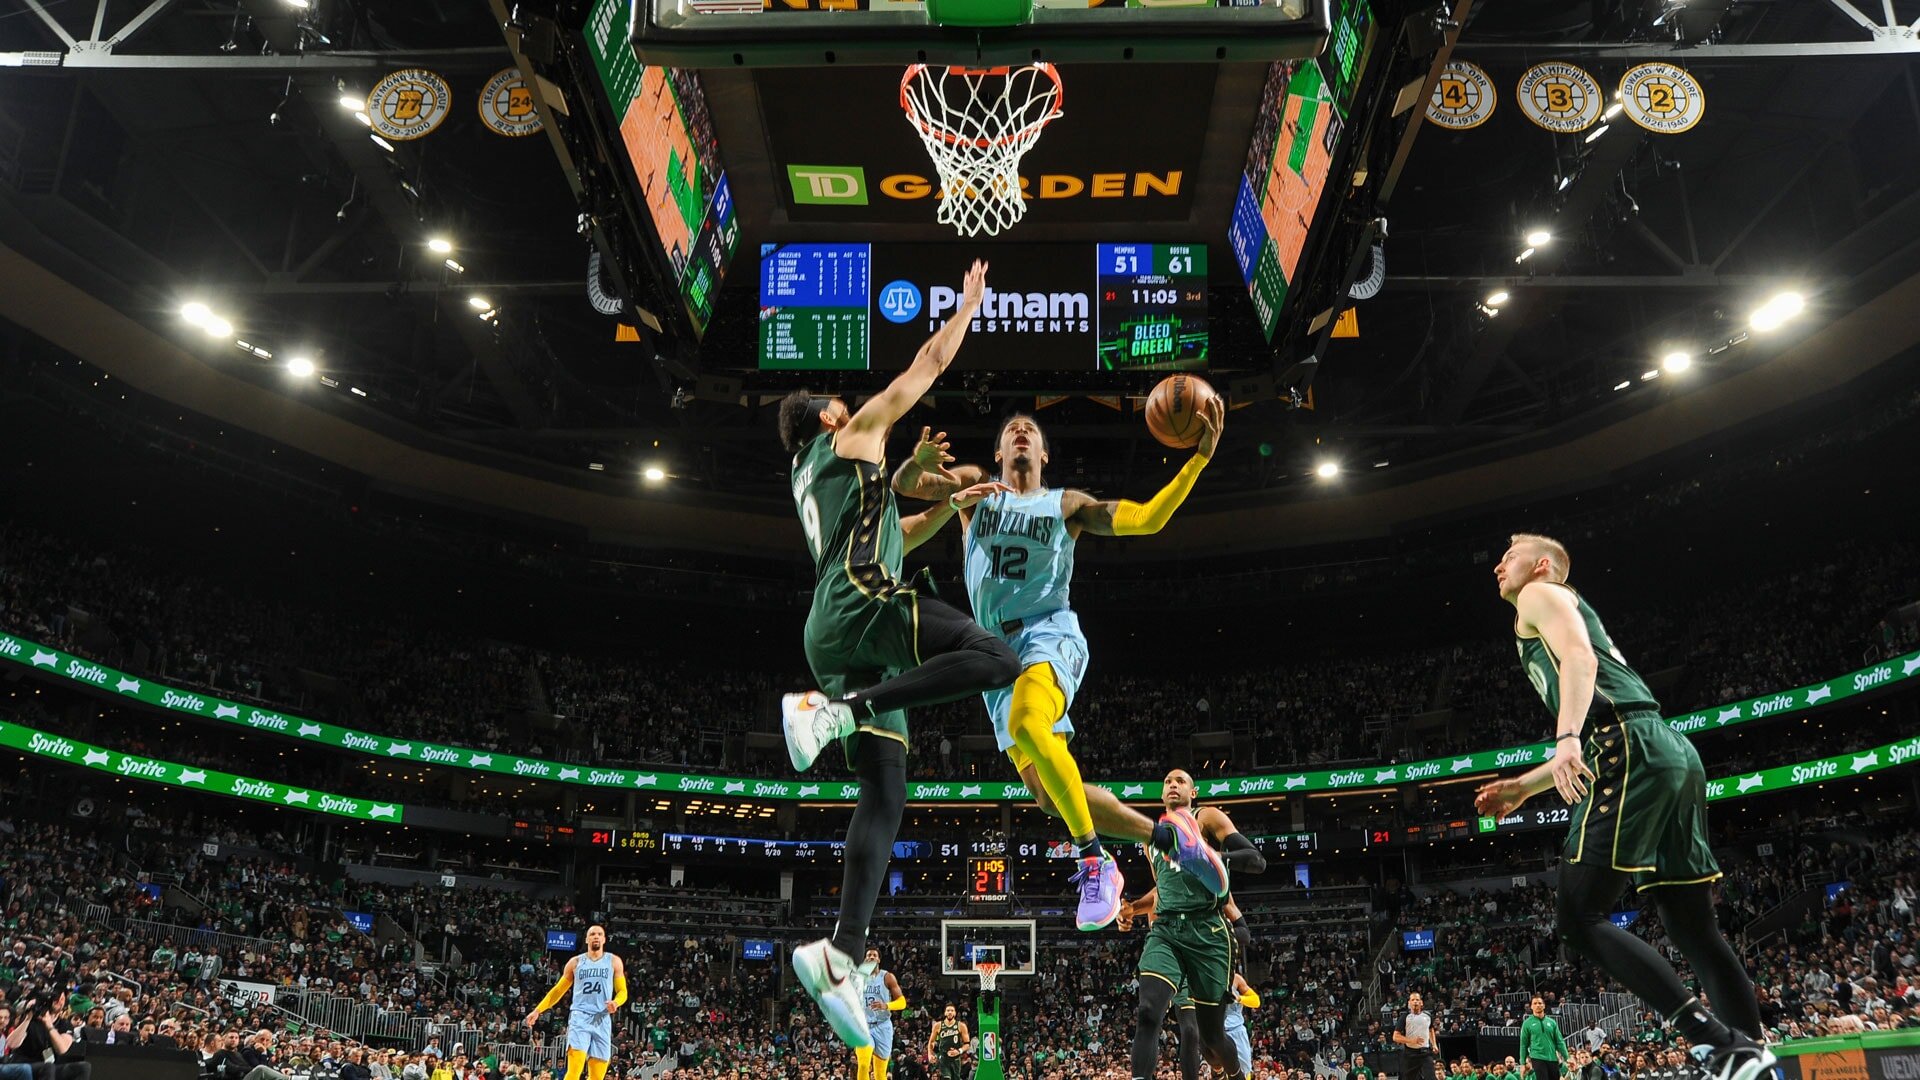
989	879
1048	307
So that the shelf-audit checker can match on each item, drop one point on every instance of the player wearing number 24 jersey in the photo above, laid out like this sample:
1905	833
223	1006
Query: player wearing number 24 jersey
1019	568
599	982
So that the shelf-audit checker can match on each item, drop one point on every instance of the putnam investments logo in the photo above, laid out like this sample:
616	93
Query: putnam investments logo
836	185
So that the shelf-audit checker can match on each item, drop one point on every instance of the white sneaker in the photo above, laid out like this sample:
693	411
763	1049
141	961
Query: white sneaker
837	985
811	722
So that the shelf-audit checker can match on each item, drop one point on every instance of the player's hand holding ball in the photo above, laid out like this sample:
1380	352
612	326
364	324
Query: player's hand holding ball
1184	411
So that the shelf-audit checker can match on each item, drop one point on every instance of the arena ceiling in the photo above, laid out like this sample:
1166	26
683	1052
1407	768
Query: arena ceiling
200	150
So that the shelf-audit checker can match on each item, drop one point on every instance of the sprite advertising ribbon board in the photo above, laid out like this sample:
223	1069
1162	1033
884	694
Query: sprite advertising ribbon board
54	662
134	767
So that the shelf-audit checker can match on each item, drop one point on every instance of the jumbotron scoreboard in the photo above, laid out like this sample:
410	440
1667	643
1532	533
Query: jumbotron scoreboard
1048	307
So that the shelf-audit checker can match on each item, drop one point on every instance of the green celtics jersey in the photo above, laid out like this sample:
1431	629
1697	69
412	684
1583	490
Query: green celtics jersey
1179	893
1616	686
851	522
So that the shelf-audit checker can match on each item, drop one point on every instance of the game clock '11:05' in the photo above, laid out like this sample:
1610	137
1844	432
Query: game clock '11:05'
1153	306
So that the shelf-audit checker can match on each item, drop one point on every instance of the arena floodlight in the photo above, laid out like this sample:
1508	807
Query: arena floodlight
1499	298
352	104
1523	256
196	313
455	267
1539	238
1327	469
382	143
1649	376
215	326
478	303
1597	132
300	367
363	118
1622	385
1676	362
1613	110
653	474
1777	310
440	245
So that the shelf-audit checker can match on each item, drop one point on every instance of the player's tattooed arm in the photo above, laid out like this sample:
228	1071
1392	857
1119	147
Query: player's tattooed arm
1235	849
1124	517
925	473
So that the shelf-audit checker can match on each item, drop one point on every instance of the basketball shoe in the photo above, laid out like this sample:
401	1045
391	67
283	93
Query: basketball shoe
1101	886
811	722
837	985
1178	837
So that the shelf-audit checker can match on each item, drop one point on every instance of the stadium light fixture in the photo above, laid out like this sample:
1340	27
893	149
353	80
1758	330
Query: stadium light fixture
300	367
363	118
196	313
455	267
1777	310
1523	256
440	245
478	303
1649	376
1327	470
1539	238
1622	384
1597	132
215	326
1499	298
1565	183
1613	110
352	104
653	474
381	143
1676	362
301	4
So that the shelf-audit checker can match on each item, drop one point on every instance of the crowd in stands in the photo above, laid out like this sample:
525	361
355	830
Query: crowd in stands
396	674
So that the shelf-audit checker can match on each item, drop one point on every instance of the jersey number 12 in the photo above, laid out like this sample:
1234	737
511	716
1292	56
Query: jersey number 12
1009	562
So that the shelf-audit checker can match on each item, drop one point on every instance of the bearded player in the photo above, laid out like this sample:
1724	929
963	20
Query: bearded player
1019	566
876	644
1191	944
599	982
1640	814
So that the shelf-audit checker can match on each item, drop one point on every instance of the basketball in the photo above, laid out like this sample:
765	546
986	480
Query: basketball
1173	409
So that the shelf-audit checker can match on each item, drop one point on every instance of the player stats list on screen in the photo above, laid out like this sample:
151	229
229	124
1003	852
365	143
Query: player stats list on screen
1048	307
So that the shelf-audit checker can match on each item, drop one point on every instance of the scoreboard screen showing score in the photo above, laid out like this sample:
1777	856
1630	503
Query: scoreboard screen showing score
989	879
1047	307
1153	306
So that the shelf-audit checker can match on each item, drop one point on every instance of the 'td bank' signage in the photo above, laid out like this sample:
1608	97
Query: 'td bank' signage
1124	148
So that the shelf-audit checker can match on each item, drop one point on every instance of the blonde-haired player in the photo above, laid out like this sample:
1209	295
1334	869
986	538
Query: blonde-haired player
1639	817
599	983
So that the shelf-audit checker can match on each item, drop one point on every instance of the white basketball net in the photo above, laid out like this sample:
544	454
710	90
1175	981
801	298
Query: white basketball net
977	123
989	972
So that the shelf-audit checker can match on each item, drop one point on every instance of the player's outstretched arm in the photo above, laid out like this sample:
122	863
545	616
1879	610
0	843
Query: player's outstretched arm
925	473
1235	849
896	997
865	435
1124	517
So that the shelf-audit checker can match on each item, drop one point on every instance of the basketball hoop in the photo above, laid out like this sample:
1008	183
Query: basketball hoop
977	123
988	970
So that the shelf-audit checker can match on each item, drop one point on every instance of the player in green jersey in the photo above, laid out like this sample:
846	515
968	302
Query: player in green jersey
1192	940
876	644
1640	814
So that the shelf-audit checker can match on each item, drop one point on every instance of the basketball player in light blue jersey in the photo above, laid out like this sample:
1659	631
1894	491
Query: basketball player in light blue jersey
1243	998
884	998
599	983
1019	567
